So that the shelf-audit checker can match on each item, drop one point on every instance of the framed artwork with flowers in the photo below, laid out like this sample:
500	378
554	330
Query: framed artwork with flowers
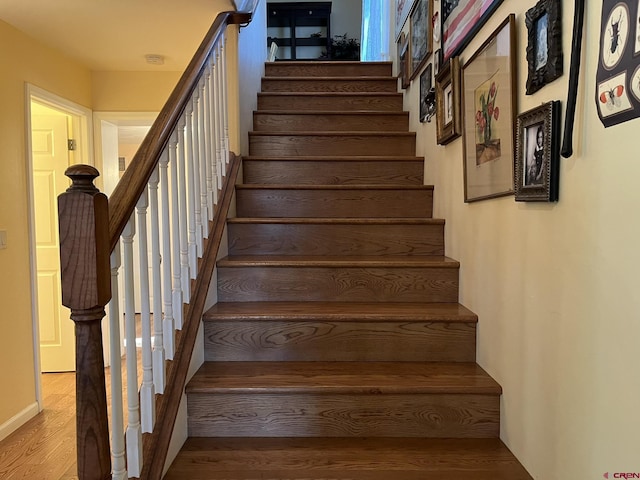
489	99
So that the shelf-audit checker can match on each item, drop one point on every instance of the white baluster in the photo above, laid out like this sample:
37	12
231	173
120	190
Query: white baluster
207	134
168	335
176	292
198	169
134	434
158	347
147	392
117	412
225	98
190	192
216	118
222	160
213	132
182	224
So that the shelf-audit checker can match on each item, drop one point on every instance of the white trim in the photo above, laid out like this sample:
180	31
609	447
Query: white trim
85	127
18	420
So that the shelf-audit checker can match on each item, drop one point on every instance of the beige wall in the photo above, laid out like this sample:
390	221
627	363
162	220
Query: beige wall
555	285
131	91
22	60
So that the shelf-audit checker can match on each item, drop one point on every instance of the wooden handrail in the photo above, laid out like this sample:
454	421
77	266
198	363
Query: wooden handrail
131	185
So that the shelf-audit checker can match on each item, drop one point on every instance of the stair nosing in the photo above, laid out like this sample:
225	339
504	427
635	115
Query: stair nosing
332	112
332	78
340	378
334	221
330	133
332	94
349	312
332	63
337	158
277	186
338	261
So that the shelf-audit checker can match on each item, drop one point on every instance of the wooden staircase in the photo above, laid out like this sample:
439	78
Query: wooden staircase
338	349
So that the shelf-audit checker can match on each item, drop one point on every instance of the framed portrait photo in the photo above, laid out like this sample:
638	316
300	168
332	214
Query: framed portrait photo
537	165
544	44
403	60
448	111
489	99
420	33
461	20
426	80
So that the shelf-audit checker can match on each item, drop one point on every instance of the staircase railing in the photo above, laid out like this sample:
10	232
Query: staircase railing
171	202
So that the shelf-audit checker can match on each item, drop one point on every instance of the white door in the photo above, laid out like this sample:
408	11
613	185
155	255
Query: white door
50	160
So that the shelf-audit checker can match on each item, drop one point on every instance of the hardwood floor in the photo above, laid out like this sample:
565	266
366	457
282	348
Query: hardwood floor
45	447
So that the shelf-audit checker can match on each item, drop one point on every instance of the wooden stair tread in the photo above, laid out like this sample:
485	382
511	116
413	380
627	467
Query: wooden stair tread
346	458
336	311
329	94
433	261
330	63
330	78
332	112
330	133
333	158
276	186
343	378
337	221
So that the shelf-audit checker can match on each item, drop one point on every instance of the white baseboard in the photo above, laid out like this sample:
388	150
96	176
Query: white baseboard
15	422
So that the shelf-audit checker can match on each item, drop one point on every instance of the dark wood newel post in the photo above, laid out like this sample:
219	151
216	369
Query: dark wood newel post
86	289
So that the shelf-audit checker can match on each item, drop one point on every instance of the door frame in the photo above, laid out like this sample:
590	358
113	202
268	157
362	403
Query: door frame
82	125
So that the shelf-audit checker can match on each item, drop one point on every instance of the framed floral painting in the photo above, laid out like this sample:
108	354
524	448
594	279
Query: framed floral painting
489	98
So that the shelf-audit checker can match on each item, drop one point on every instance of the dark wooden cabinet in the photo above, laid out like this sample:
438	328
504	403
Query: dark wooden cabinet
302	30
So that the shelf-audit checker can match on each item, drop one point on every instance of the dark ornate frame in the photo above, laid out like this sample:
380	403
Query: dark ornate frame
450	74
553	68
403	60
549	115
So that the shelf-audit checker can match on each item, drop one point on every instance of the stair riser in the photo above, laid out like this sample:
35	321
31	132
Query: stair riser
327	69
320	144
354	240
340	341
333	203
346	103
334	172
389	85
340	284
344	415
284	122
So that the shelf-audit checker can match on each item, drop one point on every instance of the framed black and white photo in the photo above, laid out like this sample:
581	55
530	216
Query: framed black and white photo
425	86
448	110
420	34
544	45
537	163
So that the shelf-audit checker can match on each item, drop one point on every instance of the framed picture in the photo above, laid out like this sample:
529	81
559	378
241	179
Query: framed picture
544	45
403	7
448	111
420	33
425	86
461	20
489	99
437	61
617	94
538	154
403	60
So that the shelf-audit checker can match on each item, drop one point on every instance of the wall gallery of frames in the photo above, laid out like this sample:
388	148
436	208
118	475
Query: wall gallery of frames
505	151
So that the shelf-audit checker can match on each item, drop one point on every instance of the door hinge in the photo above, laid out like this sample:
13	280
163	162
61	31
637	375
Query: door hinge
71	144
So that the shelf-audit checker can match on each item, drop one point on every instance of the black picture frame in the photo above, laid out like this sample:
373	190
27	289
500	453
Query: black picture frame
544	45
461	21
420	35
448	102
537	165
403	60
426	82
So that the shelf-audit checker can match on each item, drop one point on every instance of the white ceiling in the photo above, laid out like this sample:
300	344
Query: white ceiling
115	35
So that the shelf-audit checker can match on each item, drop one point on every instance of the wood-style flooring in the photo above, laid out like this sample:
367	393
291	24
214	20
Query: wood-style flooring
45	447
